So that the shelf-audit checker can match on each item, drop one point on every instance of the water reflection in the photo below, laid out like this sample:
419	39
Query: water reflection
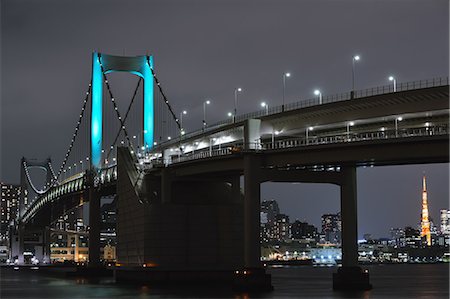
389	281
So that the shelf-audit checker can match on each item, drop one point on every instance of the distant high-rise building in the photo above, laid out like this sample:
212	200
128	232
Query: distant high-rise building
445	218
300	230
398	236
269	212
331	227
282	228
9	206
270	209
425	223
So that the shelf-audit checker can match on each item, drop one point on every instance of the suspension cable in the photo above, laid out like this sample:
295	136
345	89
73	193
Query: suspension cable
126	116
162	93
74	136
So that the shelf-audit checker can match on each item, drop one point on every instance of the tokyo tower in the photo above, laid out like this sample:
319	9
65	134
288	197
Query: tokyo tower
425	224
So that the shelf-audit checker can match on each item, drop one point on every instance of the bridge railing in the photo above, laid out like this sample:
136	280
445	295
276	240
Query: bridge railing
316	140
384	89
353	136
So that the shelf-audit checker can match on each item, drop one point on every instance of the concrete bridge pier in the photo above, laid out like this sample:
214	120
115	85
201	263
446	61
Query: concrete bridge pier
253	276
94	228
350	276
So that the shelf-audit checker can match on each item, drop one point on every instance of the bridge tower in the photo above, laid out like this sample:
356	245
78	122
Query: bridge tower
27	186
103	64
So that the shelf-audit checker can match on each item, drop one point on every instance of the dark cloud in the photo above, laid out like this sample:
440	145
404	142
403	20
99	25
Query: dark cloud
205	49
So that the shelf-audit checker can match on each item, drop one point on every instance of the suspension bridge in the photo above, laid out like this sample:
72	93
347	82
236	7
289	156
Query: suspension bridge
169	182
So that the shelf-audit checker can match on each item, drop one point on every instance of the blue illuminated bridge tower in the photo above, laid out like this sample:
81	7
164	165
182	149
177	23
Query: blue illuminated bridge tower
103	64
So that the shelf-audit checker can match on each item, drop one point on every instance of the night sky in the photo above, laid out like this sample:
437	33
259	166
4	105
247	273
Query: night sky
204	49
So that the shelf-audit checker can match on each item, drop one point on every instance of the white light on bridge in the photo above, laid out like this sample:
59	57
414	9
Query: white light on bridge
310	128
399	118
351	123
356	57
427	124
169	138
230	114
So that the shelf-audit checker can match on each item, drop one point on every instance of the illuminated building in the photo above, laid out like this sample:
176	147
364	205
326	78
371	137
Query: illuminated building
445	226
9	207
331	227
282	228
425	224
301	230
269	212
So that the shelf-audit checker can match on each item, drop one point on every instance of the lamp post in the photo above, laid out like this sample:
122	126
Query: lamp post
354	59
397	119
184	112
207	102
318	93
236	90
230	115
349	124
285	75
392	78
264	105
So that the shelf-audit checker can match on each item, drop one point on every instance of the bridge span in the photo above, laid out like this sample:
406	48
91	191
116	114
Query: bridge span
181	198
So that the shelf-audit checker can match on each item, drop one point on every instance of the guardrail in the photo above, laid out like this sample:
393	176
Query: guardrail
316	140
383	89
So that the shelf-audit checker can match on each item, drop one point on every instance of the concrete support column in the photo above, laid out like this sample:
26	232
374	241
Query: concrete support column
76	249
252	253
350	276
46	245
21	245
252	134
349	218
94	227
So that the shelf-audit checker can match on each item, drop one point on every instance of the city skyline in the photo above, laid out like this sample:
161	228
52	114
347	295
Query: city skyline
379	231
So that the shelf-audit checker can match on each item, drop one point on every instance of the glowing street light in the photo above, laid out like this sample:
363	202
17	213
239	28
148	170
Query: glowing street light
230	115
397	119
392	78
207	102
285	75
318	93
236	91
349	124
264	105
354	59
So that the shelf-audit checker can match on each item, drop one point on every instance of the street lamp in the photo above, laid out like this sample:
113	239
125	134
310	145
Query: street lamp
349	124
184	112
207	102
318	93
264	105
236	90
391	78
354	58
397	119
285	75
230	115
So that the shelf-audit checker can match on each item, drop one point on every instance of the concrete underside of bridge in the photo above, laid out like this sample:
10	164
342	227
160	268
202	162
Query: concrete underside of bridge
178	230
201	227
